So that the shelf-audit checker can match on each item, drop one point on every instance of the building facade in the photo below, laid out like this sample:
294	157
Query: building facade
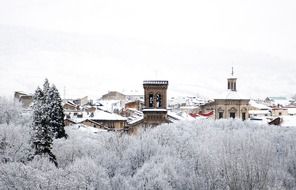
231	104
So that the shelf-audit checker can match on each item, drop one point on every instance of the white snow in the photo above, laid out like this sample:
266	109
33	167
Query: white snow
232	95
156	110
280	101
180	116
99	115
259	106
85	129
291	111
289	121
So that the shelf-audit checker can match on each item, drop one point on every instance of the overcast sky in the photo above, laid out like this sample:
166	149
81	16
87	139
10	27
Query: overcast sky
132	40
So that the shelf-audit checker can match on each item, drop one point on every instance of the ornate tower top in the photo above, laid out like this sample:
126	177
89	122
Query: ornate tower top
231	81
155	94
232	72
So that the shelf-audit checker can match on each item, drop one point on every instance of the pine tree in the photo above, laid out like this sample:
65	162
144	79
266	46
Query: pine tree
42	131
56	113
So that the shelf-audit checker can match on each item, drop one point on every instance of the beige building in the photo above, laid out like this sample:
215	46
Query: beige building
114	95
230	104
24	99
278	112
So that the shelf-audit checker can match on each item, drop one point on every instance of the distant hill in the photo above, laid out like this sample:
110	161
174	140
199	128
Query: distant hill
92	65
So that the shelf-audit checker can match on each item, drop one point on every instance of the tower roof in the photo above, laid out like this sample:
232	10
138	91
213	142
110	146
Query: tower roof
231	95
161	82
232	75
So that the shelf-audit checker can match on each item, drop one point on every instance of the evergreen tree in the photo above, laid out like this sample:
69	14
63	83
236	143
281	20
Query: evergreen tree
46	87
56	113
42	131
48	120
53	110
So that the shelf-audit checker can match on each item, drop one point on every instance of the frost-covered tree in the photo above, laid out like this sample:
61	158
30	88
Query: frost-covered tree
9	112
42	134
56	112
14	143
204	154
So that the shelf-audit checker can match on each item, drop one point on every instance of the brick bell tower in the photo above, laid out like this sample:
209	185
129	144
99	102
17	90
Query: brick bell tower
155	105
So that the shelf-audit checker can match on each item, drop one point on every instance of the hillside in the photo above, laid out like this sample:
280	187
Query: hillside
92	65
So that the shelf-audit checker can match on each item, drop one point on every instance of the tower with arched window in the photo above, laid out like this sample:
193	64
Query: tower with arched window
155	102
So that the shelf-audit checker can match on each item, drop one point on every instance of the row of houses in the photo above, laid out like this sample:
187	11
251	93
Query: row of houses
120	112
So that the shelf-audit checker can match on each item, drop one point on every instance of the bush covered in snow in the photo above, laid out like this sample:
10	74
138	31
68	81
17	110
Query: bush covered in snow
206	154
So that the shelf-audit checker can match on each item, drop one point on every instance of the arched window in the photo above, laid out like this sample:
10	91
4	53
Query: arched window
158	100
150	100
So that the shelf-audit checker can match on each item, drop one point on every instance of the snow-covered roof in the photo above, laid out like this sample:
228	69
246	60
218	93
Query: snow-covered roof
180	116
157	82
259	106
110	105
231	95
100	115
280	100
103	115
156	110
134	119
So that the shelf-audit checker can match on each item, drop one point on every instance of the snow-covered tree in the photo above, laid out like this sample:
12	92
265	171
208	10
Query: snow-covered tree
9	112
56	113
42	131
204	154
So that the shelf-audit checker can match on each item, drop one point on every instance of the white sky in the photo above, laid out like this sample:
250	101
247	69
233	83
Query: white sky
247	27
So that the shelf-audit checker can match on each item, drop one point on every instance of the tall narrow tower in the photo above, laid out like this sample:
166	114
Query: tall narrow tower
231	82
155	105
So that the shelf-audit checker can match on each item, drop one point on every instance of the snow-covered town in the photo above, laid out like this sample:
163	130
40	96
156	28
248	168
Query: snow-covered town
116	111
147	95
147	141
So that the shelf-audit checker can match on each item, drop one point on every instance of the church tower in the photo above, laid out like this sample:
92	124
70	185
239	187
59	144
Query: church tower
231	82
155	102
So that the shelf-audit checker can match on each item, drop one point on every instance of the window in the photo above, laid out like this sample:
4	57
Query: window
243	116
158	100
150	100
232	115
110	124
220	115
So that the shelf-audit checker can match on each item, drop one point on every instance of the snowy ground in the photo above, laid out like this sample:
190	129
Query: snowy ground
289	121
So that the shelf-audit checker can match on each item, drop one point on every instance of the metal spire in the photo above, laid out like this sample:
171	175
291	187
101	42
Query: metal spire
232	72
